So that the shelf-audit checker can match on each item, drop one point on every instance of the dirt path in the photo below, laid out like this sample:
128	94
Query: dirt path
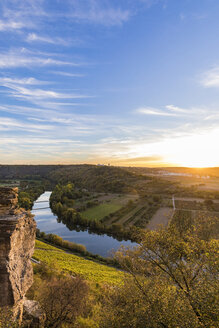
162	216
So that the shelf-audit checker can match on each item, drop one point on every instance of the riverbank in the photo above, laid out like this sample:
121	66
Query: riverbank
73	248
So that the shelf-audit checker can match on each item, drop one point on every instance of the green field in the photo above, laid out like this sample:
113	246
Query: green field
76	265
98	212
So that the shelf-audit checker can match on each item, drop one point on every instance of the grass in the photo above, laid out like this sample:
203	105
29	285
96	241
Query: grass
76	265
98	212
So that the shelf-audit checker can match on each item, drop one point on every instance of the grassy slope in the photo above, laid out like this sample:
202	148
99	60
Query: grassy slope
77	265
98	212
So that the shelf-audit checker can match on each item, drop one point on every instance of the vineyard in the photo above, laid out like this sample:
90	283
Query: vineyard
76	265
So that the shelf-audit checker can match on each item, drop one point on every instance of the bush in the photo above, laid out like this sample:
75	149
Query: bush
63	300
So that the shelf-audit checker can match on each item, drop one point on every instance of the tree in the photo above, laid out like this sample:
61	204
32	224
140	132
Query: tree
173	284
24	200
63	300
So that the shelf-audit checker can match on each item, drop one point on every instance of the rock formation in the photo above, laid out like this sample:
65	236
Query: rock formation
8	201
17	238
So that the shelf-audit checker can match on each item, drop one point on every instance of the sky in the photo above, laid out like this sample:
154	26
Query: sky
125	82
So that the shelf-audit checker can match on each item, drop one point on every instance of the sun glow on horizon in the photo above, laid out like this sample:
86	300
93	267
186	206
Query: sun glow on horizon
199	150
196	150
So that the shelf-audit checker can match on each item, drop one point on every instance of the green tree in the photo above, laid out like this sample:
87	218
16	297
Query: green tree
24	200
173	284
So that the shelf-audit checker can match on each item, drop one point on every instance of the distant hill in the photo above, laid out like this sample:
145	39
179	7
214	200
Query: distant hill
92	177
95	178
26	171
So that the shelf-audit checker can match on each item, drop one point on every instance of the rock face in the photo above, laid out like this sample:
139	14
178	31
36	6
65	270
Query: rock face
33	316
8	201
17	238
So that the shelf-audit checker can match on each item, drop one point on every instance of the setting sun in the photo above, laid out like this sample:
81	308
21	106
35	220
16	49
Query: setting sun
195	151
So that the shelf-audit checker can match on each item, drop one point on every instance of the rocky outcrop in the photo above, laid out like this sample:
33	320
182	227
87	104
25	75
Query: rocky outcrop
17	238
8	201
33	315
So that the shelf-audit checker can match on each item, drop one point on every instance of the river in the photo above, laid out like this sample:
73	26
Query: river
47	222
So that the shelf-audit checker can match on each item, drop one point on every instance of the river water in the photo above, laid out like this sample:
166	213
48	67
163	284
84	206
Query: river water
96	244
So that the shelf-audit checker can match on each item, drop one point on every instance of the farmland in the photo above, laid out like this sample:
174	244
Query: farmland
162	216
148	205
98	212
118	199
107	204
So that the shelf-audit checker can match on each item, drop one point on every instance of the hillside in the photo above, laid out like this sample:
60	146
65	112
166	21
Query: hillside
96	178
92	177
76	265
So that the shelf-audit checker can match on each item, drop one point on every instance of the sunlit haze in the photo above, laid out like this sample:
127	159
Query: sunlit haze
130	83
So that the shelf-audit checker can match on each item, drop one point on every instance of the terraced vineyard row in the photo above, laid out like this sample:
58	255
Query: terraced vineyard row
138	214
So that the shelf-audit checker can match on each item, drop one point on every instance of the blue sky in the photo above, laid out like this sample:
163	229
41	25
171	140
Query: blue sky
126	82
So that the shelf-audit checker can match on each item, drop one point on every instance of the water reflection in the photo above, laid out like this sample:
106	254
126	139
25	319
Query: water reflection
47	222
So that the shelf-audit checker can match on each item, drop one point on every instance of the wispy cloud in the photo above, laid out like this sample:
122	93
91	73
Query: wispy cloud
8	124
8	81
179	113
211	78
176	109
33	37
88	11
98	12
10	25
153	111
68	74
23	89
44	113
31	94
101	12
104	12
19	58
22	9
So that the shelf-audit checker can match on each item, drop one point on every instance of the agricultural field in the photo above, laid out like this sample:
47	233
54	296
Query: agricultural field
161	217
137	213
197	204
146	206
191	208
125	210
211	183
100	211
76	265
107	204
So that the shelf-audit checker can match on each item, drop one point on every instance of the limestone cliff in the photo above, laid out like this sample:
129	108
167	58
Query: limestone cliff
17	238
